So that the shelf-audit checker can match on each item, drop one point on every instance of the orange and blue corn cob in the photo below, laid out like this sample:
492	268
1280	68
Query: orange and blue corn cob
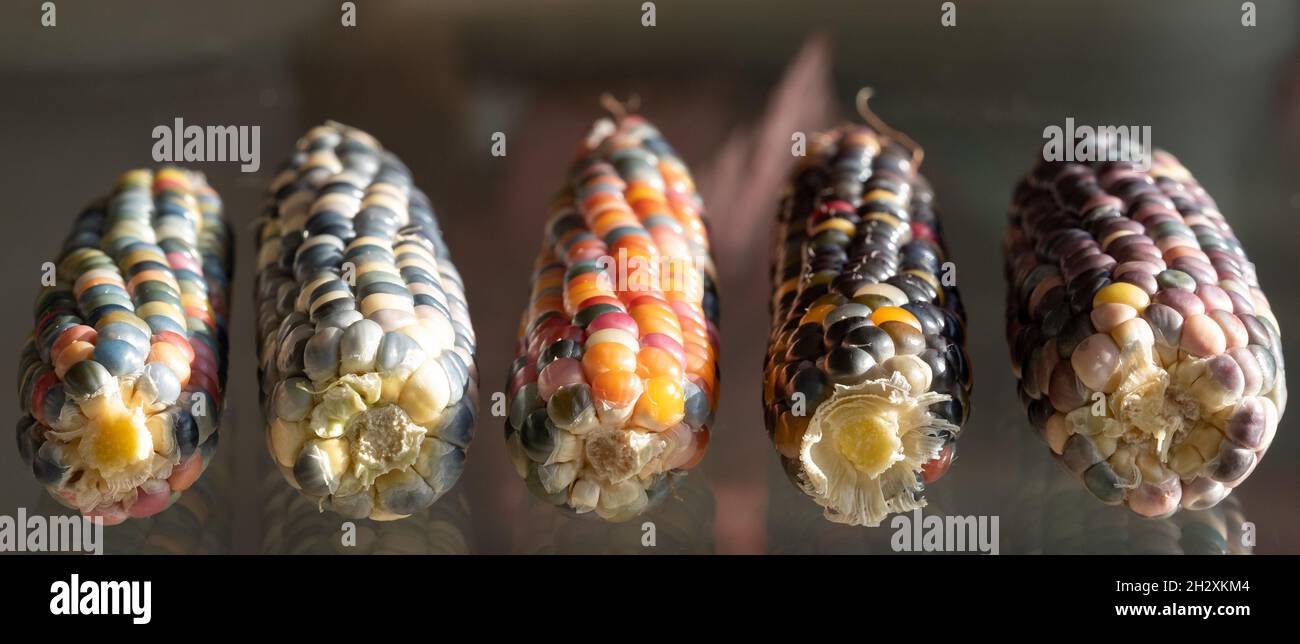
615	382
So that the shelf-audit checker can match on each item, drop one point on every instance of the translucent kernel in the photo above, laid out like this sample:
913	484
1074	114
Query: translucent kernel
1122	293
662	405
895	314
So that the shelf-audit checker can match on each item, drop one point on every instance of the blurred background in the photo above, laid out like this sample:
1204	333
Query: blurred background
728	82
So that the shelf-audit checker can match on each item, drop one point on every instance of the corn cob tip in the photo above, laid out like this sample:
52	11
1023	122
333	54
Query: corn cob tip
866	445
862	101
620	109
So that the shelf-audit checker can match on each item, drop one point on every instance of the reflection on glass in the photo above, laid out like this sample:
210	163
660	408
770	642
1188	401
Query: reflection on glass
1059	516
681	524
795	525
1044	510
198	523
1069	520
292	524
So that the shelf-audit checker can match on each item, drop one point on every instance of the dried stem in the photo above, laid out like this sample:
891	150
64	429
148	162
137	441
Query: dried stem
620	109
864	110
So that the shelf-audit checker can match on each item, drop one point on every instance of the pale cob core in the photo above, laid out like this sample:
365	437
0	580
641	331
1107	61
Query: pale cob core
116	449
1148	405
1165	387
384	438
864	447
116	442
120	361
871	443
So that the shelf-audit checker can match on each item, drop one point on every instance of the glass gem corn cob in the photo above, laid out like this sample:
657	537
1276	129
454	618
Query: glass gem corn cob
866	384
367	352
121	381
615	382
1146	353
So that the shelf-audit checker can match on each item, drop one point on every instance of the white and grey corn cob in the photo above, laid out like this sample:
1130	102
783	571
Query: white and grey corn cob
367	352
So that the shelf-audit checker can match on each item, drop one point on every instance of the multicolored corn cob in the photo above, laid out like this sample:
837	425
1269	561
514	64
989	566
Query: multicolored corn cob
121	382
1146	352
616	376
369	385
866	384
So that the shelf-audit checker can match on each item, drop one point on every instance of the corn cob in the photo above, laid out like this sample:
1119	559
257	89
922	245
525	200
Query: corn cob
367	370
121	382
1147	355
866	383
616	376
197	523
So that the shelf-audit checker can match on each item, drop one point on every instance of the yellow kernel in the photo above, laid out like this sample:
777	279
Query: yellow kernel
818	314
928	277
164	309
135	178
834	223
880	194
895	314
890	220
1122	293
